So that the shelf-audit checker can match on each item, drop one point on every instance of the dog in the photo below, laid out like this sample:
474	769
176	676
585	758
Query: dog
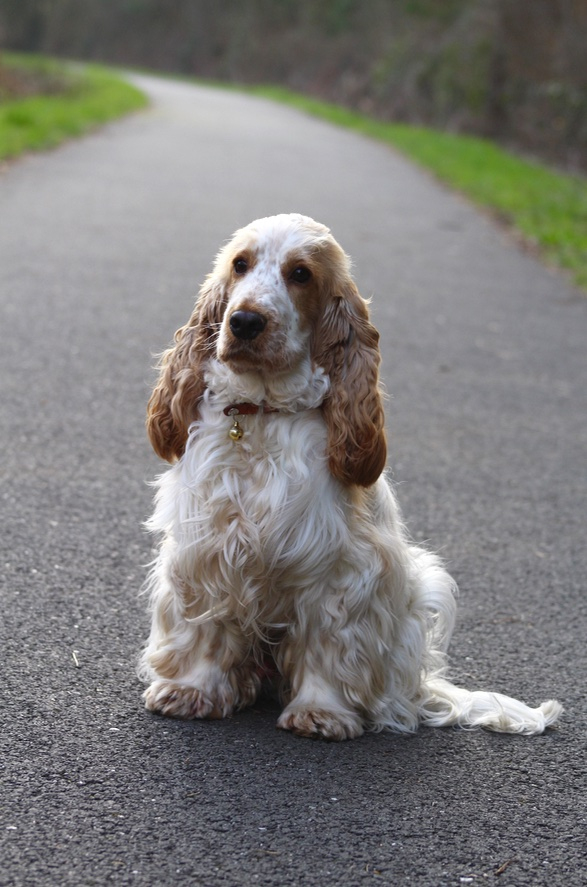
282	551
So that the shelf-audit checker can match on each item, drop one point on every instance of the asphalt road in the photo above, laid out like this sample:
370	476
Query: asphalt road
103	244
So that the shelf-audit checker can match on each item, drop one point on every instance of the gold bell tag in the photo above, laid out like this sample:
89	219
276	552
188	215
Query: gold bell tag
236	431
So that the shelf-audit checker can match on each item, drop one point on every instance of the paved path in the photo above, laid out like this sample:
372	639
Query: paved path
102	246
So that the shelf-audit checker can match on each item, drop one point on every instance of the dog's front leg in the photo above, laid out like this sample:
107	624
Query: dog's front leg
202	683
200	666
318	712
319	704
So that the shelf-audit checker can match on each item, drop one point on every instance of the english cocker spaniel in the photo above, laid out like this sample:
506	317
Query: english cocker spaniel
283	555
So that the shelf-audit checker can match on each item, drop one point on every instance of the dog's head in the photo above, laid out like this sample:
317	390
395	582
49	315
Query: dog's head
280	293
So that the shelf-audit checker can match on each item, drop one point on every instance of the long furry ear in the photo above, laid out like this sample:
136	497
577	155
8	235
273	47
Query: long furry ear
347	347
173	405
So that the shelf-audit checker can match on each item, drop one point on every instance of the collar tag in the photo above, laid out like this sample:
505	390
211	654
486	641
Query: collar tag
244	409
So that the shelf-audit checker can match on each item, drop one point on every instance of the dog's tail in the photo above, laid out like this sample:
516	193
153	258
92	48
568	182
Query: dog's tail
441	703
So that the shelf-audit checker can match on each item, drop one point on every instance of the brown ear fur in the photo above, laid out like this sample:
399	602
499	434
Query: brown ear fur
347	347
173	405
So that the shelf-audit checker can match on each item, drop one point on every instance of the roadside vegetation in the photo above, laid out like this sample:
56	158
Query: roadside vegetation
43	102
548	208
510	71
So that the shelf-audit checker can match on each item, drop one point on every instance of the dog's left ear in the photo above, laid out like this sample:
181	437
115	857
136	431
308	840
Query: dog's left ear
347	348
174	403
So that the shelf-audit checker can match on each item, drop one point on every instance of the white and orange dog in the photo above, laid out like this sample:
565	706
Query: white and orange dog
281	539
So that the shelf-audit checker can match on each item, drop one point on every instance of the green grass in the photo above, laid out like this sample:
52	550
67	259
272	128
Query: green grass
547	207
80	98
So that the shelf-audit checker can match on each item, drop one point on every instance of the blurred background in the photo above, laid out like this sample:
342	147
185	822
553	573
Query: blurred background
512	70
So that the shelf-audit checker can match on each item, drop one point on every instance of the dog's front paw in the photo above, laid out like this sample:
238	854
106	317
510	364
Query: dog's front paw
317	723
177	701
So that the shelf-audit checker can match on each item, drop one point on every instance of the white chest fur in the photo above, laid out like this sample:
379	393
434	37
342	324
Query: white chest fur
256	519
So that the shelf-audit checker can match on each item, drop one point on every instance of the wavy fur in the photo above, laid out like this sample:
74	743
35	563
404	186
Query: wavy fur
348	350
173	405
283	553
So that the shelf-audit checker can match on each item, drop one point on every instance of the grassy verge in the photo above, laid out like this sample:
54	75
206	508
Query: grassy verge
72	99
548	208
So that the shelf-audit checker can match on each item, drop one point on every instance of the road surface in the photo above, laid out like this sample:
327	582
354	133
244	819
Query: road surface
103	244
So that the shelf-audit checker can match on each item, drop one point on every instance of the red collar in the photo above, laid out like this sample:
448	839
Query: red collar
248	409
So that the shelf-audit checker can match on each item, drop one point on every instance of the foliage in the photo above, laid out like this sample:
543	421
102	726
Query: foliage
513	71
84	99
548	208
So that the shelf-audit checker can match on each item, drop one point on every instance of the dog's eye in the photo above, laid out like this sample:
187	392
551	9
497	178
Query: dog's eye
301	274
240	265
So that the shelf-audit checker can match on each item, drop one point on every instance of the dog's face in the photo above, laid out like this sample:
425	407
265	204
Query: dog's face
280	298
274	273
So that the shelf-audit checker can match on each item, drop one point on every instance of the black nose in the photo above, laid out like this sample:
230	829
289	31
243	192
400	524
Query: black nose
247	324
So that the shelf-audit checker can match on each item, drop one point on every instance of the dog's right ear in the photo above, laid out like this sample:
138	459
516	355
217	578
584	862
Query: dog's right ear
347	348
173	405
